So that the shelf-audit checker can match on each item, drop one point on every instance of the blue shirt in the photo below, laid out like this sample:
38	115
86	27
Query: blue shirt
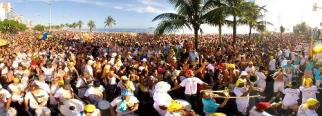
316	73
209	105
309	66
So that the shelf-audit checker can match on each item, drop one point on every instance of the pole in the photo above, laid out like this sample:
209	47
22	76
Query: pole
49	16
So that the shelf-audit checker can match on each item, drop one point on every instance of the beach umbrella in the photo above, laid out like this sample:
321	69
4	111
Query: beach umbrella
3	42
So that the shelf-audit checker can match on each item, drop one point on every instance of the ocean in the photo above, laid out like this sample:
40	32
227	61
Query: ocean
132	30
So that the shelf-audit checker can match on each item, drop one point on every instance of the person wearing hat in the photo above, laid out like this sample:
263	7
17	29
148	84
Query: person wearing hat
126	85
161	98
91	110
241	90
190	84
292	94
308	89
259	109
250	69
16	90
126	104
309	108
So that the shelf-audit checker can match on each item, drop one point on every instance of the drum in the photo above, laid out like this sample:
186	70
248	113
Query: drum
71	107
103	105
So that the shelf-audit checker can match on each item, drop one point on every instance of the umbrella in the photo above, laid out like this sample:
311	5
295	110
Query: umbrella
72	107
3	42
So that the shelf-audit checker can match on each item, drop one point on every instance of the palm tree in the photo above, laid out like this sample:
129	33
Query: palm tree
91	25
234	8
216	14
251	14
282	30
189	15
109	22
80	24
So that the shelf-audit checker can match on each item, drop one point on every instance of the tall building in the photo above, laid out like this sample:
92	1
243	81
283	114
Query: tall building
5	9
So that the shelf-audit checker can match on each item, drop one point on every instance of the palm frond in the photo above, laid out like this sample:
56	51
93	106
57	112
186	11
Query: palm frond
170	26
168	16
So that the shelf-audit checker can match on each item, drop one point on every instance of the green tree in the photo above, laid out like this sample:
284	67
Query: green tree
80	24
215	14
11	26
282	30
189	15
91	25
234	9
109	22
301	28
251	15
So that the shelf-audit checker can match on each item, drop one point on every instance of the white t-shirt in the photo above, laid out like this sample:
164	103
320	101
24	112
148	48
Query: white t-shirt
94	93
42	98
253	112
6	94
309	92
261	82
16	91
239	92
89	69
43	86
291	96
63	94
272	65
190	85
48	72
162	99
306	112
116	102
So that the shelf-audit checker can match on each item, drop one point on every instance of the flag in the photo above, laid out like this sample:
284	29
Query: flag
45	36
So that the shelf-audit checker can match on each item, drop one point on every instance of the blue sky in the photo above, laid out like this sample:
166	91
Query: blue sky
139	13
127	13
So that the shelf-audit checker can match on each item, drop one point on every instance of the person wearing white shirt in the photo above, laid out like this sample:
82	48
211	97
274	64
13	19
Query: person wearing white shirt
16	90
191	85
261	82
161	98
272	64
36	98
89	68
308	90
64	93
95	93
308	108
5	99
48	71
290	99
250	69
125	104
240	91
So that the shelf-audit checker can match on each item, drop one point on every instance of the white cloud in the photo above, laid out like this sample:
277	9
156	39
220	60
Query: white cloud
151	9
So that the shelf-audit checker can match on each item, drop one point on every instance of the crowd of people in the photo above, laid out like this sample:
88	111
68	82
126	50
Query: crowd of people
127	74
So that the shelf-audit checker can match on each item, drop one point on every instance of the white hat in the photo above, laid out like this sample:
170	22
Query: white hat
144	60
103	105
162	87
243	73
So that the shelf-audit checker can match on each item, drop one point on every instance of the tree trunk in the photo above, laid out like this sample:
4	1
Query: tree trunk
250	32
219	30
234	28
196	38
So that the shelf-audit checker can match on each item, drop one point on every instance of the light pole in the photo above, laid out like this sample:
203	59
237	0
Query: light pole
49	4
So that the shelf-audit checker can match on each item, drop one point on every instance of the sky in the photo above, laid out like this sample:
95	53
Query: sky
139	13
